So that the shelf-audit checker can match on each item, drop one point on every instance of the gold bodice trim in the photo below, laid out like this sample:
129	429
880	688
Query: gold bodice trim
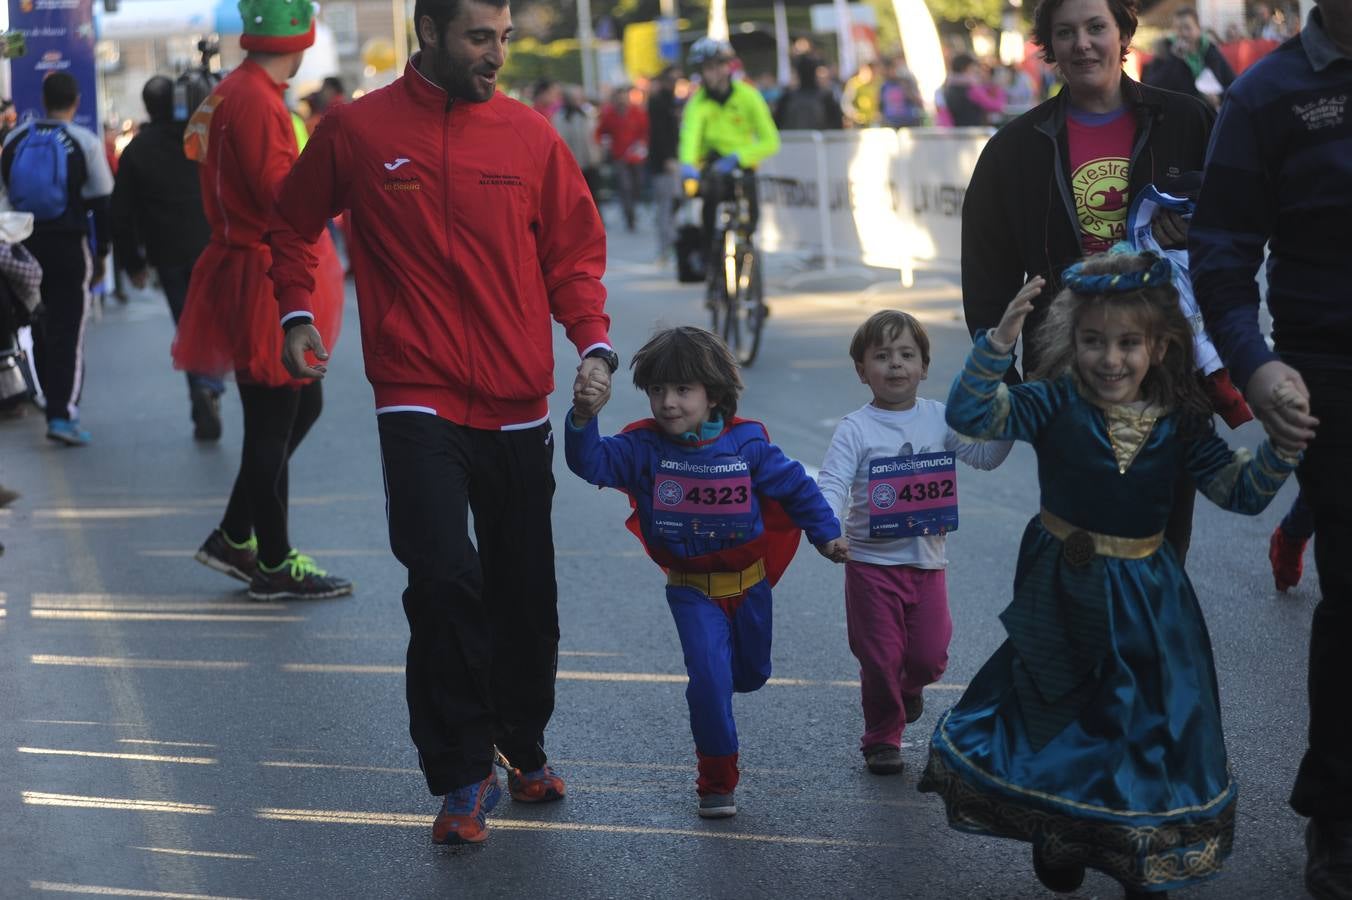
1128	430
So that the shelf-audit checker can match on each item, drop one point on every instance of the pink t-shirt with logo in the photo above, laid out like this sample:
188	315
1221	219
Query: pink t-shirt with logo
1100	150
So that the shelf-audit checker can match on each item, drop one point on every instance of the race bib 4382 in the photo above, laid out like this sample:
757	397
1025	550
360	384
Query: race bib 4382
909	496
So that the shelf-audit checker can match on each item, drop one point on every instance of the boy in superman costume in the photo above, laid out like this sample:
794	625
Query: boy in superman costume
719	508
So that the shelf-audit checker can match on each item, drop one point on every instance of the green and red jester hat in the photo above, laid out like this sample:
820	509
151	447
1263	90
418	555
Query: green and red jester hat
277	26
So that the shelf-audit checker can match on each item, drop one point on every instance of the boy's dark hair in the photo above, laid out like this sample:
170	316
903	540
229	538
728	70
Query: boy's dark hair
158	96
442	11
60	91
1187	12
1123	11
689	355
885	326
1170	383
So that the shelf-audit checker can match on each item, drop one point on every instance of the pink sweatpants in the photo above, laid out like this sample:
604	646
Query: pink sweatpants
899	630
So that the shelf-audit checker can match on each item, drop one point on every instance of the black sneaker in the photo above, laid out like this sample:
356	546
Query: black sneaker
297	577
883	759
1328	868
206	414
224	555
1058	879
717	806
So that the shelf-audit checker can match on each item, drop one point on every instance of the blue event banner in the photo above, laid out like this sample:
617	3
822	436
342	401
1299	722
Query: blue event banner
60	38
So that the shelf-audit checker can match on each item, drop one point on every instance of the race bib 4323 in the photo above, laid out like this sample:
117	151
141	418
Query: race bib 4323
698	503
909	496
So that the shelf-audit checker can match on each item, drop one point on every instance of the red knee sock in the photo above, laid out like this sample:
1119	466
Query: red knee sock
717	774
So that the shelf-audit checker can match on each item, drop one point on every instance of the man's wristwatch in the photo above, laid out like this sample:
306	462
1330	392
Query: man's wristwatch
610	357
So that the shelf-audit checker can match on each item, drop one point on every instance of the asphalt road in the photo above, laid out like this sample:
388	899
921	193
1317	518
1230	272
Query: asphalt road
161	736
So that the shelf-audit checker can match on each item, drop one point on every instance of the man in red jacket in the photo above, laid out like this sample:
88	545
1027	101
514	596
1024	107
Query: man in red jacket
471	227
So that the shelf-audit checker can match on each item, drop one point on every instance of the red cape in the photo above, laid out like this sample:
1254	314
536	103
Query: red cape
776	545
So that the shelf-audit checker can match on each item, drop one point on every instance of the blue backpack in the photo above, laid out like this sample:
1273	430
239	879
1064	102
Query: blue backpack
38	177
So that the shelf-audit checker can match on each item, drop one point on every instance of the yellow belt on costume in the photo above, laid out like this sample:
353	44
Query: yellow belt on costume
717	585
1102	544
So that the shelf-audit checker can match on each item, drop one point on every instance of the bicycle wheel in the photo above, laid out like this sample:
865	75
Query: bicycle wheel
747	307
724	298
716	290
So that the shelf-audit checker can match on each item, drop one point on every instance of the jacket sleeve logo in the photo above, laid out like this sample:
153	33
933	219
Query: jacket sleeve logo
391	166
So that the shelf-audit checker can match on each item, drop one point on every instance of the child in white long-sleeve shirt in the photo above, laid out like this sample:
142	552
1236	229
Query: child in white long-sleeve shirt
892	460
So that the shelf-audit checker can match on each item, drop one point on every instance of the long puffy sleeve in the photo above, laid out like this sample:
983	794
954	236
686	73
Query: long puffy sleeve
980	405
602	461
977	454
1238	480
835	478
783	479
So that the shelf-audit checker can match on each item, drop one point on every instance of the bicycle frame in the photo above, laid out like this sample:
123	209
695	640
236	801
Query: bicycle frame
735	288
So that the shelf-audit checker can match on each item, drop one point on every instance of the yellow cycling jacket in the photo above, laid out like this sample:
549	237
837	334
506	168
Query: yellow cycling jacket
741	124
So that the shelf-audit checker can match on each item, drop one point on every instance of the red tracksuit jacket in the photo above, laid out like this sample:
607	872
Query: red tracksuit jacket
471	227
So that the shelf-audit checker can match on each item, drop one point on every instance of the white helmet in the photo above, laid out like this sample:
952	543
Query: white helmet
708	49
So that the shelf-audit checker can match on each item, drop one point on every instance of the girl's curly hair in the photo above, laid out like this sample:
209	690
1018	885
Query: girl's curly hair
1171	382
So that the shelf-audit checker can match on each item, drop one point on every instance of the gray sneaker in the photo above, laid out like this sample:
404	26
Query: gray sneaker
717	806
883	759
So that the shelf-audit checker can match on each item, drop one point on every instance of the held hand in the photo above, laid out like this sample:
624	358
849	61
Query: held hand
837	550
1011	324
595	371
591	390
297	340
1280	400
140	279
587	403
1171	229
99	270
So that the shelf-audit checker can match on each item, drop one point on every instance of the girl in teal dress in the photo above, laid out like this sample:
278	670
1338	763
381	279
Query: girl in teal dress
1094	732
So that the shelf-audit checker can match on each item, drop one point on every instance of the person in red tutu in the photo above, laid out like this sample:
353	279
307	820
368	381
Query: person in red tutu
243	140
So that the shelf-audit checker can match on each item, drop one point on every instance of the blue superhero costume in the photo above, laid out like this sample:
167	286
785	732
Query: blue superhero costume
721	516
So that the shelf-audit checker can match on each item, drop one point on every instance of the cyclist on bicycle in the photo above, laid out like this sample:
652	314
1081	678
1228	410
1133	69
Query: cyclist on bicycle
726	128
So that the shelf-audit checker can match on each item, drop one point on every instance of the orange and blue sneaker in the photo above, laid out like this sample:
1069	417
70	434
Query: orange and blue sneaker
461	819
539	786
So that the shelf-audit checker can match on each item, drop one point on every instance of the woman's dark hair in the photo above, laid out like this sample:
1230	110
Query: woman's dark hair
689	355
885	326
1171	382
1123	12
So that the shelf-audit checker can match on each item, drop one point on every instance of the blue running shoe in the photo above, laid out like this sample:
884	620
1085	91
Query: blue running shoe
64	431
535	787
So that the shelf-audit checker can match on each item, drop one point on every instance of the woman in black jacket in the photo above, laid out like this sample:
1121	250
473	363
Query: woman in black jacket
1055	184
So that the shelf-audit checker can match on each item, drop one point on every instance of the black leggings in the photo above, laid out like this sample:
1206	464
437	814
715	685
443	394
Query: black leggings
276	420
